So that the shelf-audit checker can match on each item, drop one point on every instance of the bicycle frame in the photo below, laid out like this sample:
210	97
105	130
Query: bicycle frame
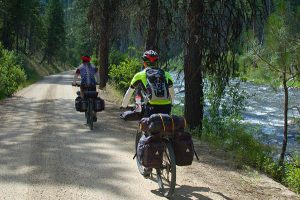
89	114
90	96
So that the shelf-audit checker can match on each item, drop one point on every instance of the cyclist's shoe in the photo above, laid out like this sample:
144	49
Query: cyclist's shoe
147	172
94	118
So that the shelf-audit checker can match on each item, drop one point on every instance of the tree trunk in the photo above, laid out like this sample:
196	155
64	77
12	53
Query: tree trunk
17	41
151	42
104	45
5	35
285	127
193	76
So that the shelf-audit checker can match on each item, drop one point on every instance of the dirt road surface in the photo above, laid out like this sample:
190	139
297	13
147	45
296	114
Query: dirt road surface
46	152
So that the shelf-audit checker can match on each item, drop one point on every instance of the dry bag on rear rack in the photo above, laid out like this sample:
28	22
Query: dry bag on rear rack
183	148
99	104
158	123
150	151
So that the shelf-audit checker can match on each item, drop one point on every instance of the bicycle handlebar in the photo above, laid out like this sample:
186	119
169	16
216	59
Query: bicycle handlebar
78	84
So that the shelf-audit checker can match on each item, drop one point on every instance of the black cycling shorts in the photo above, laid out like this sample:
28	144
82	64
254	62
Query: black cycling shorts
154	109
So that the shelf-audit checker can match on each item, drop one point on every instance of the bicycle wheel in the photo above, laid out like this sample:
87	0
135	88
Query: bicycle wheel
141	168
91	115
166	176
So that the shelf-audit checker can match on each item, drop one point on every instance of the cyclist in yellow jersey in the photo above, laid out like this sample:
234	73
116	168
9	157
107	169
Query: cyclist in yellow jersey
157	86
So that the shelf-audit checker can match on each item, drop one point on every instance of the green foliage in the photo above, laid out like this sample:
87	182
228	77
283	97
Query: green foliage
11	73
79	38
122	74
176	63
116	56
94	60
177	109
55	39
224	112
292	175
281	51
21	27
223	128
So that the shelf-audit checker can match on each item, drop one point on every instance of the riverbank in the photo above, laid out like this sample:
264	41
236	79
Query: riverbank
238	146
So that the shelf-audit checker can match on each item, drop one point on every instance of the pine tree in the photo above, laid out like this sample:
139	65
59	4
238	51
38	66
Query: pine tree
55	40
280	54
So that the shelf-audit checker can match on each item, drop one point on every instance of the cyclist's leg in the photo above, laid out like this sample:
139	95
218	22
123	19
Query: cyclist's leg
82	89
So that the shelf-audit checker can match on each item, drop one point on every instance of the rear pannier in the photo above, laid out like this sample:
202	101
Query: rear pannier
183	148
99	104
150	151
80	104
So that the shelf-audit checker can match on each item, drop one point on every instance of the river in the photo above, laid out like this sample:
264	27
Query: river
265	110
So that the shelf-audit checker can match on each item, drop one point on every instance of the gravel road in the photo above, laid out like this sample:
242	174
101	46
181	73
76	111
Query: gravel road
46	152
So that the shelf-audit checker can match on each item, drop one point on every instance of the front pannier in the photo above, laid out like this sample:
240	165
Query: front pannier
80	104
131	115
99	104
150	151
183	148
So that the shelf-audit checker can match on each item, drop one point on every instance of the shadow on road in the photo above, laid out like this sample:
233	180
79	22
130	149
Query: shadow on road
185	192
46	142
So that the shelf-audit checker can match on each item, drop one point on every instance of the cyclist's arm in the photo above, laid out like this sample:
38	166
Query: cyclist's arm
77	73
97	76
133	84
127	96
171	87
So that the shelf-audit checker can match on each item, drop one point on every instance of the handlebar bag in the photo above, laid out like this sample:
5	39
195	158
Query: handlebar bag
183	148
150	151
131	115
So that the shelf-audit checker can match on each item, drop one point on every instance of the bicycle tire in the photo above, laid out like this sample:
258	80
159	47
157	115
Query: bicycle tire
165	183
91	116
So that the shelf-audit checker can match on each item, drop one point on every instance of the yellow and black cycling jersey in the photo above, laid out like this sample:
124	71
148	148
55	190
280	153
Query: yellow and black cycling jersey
140	78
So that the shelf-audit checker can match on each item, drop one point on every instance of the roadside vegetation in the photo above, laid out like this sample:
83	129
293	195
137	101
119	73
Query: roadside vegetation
12	75
209	42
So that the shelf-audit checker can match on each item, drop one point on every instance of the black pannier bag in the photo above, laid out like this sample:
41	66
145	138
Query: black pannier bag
99	104
183	148
80	104
131	115
158	123
150	151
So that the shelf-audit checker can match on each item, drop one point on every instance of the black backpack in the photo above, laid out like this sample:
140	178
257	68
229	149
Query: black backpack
150	151
157	86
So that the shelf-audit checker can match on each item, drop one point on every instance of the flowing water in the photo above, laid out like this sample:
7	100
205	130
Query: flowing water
265	110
